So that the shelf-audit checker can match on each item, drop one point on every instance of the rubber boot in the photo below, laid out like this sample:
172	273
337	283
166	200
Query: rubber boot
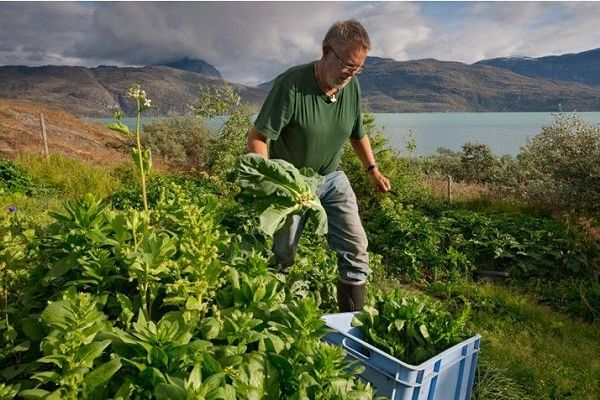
350	297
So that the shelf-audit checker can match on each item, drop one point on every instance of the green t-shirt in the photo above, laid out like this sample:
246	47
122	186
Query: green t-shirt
303	127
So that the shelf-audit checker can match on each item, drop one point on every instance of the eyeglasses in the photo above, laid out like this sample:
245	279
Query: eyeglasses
356	69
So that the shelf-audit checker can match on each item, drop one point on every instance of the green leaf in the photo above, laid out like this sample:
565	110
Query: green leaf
146	159
119	127
102	374
58	360
88	353
279	191
126	308
275	217
209	328
46	376
33	393
55	313
167	391
424	331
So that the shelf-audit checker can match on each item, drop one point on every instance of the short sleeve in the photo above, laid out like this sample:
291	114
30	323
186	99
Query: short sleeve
277	110
358	130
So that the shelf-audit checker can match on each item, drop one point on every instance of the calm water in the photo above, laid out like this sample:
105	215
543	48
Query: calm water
505	132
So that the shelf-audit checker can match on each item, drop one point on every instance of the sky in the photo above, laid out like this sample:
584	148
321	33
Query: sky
252	42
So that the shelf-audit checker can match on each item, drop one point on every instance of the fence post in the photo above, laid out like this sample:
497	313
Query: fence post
449	187
45	138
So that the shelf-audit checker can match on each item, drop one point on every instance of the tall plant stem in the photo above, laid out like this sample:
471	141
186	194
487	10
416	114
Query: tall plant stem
4	289
141	158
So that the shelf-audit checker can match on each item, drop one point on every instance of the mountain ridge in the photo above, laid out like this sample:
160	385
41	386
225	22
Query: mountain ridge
425	85
582	67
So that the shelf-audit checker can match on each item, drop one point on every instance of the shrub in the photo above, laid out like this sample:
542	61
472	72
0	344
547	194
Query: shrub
15	179
561	166
229	143
182	140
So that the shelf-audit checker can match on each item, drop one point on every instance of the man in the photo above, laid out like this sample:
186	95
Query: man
307	117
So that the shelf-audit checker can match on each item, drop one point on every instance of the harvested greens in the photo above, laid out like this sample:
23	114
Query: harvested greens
279	191
411	328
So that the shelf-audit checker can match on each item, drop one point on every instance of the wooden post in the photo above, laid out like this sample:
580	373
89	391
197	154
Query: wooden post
45	138
449	189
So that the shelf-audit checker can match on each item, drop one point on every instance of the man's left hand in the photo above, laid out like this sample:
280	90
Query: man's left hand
381	182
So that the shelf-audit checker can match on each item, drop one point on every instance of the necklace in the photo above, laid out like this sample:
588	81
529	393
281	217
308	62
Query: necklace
332	98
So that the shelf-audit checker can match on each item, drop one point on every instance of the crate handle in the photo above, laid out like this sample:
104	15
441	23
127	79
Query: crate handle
360	351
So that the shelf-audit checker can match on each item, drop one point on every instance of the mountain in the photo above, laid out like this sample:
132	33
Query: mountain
432	85
93	92
191	65
580	67
387	86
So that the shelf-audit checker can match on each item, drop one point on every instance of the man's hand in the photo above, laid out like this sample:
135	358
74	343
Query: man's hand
381	182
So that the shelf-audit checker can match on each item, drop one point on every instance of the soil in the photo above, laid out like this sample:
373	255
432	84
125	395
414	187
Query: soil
68	135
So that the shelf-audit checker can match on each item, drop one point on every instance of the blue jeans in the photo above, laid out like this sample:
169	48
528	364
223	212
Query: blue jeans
346	235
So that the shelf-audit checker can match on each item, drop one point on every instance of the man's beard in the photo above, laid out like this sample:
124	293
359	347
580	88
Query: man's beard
335	84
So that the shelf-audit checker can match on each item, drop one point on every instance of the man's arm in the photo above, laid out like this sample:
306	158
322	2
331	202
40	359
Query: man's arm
362	148
257	143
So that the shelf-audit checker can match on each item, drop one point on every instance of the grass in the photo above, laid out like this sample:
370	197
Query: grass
544	352
66	179
71	177
477	197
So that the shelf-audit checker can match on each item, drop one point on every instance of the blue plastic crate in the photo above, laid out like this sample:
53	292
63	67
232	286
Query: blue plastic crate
447	376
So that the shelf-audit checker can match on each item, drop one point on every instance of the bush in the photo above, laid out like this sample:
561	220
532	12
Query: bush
229	143
561	166
181	140
15	179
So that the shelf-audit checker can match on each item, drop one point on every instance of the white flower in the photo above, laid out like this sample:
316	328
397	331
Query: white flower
134	91
147	102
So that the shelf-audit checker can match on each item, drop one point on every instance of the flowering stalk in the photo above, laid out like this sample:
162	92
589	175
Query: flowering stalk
139	148
140	157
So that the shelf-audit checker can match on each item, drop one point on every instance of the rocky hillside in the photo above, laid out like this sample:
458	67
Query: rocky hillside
94	92
191	65
20	132
580	67
431	85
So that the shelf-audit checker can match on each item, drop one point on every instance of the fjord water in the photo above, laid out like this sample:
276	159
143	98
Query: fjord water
504	132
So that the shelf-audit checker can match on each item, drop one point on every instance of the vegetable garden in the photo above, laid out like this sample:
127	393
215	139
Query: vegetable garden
163	290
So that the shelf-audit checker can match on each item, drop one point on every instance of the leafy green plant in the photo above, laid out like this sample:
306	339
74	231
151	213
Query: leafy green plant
8	392
73	349
412	329
15	179
279	191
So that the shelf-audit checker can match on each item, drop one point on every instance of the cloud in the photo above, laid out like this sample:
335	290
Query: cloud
395	28
500	29
30	30
245	41
252	42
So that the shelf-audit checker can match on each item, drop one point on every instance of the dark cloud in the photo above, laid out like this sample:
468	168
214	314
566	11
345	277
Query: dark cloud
251	42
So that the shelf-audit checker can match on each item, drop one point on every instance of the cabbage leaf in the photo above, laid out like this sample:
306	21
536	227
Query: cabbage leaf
278	191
